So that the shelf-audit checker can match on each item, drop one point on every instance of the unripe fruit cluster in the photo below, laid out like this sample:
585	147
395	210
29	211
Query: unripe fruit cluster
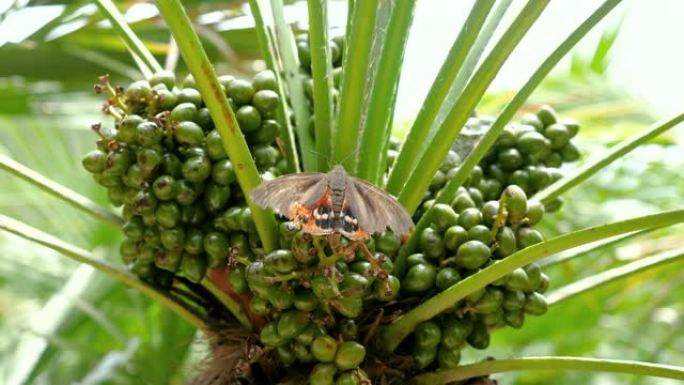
529	154
462	239
164	162
314	292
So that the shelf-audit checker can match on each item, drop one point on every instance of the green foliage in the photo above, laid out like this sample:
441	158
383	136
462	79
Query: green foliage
110	334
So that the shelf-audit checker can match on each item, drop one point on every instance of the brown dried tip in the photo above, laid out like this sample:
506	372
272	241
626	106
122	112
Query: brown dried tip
104	79
98	89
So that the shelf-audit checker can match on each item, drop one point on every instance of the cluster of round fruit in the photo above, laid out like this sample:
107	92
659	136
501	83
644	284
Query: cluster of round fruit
463	238
314	291
165	163
529	154
336	54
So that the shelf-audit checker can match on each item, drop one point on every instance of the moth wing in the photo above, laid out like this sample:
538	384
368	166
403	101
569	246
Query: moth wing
280	193
375	209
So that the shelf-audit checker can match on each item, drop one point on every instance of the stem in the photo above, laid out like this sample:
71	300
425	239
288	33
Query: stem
488	140
233	141
270	54
393	334
321	70
622	272
421	175
133	43
436	96
382	98
295	85
234	307
588	249
550	363
352	95
475	53
57	190
583	173
32	234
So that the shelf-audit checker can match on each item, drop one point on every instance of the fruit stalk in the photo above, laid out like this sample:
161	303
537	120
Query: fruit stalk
233	141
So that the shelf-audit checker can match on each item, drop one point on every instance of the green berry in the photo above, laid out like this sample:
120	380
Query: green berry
167	78
323	374
265	80
280	262
472	254
190	95
547	115
248	118
427	335
128	128
216	197
350	355
215	149
448	358
240	91
447	277
94	161
193	267
188	133
505	242
266	101
470	217
479	336
432	244
167	214
324	348
183	112
217	246
196	169
536	304
455	332
291	323
419	278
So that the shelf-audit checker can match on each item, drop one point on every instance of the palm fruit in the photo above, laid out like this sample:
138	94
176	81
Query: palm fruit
529	154
185	215
165	163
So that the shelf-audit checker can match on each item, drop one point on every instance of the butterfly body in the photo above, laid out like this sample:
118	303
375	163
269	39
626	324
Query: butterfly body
333	203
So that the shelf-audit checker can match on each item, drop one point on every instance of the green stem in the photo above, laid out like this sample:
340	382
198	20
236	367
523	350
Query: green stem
488	140
421	175
583	173
393	334
622	272
549	363
355	71
233	141
82	256
134	44
269	52
382	98
57	190
234	307
475	53
321	70
436	96
295	85
579	252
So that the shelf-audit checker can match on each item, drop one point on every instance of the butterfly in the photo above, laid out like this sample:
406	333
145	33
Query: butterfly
334	202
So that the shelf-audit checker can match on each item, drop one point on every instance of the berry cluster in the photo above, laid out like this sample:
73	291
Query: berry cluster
164	162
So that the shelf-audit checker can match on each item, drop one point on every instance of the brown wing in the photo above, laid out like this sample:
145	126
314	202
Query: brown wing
280	193
375	209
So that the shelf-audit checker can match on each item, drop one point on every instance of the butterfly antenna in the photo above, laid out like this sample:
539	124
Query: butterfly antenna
328	160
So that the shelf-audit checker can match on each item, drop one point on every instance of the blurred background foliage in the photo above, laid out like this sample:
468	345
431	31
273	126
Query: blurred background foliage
61	323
